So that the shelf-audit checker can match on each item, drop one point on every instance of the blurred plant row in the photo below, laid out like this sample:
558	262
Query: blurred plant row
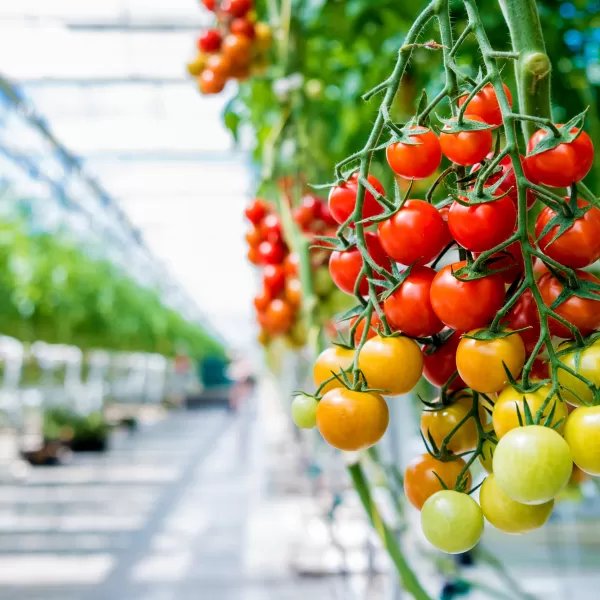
53	291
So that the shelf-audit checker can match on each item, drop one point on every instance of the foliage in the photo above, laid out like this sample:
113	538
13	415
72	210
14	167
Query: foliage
52	291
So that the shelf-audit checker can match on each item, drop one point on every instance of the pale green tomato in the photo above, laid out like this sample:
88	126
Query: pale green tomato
582	433
506	514
322	282
589	367
532	464
338	302
452	521
304	411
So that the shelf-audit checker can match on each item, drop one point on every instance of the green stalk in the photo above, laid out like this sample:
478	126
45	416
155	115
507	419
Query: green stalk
532	68
407	576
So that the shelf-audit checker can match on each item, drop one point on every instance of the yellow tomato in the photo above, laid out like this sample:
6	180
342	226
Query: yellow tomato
264	36
506	514
486	458
589	367
197	65
440	423
480	363
332	360
505	416
582	433
352	420
393	364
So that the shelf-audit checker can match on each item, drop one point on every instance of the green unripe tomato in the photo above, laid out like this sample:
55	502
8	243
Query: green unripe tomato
532	464
304	411
322	282
487	456
452	521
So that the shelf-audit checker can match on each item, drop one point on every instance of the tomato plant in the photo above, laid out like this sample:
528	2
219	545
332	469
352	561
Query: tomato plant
374	324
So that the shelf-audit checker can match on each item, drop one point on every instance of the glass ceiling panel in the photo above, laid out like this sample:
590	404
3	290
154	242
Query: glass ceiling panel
110	80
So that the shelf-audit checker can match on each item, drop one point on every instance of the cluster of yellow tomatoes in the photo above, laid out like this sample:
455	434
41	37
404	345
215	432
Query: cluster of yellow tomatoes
234	49
528	439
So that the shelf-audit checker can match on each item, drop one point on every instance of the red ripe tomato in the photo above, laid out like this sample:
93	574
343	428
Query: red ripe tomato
440	364
274	279
417	161
444	211
375	324
345	266
485	105
326	216
271	253
525	314
465	305
278	316
291	264
584	313
563	165
256	211
262	300
408	308
578	246
540	370
303	216
466	147
342	199
243	27
481	227
254	236
210	4
510	181
236	8
510	259
271	228
416	232
209	40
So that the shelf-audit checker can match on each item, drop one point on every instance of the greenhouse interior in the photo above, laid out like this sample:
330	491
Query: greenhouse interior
300	299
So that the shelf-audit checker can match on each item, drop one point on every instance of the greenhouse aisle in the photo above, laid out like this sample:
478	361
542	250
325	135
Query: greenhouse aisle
162	516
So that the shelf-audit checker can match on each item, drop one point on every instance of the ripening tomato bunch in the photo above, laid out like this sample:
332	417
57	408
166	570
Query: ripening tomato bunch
440	320
234	49
280	297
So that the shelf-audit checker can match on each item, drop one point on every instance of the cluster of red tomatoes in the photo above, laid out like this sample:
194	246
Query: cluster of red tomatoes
280	296
528	464
232	50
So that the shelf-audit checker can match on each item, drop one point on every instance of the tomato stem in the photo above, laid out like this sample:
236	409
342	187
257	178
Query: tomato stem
387	536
